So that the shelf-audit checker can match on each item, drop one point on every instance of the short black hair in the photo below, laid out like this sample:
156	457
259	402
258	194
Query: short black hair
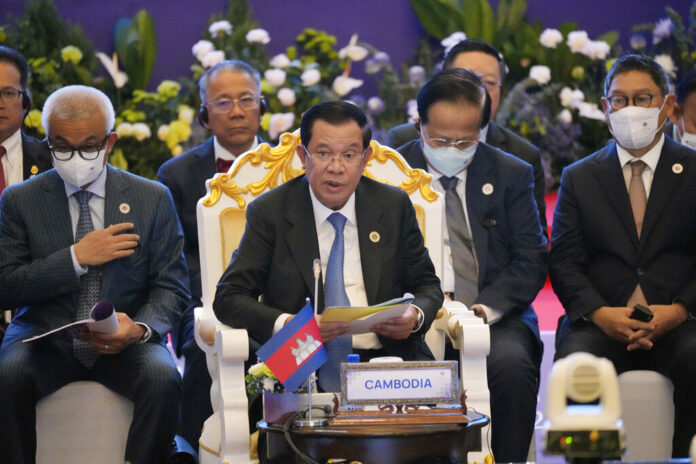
474	45
686	86
334	112
455	86
642	63
9	55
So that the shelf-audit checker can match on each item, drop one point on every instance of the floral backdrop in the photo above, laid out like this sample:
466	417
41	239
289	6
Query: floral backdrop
550	97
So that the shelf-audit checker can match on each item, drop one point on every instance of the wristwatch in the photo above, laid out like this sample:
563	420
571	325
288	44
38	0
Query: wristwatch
146	335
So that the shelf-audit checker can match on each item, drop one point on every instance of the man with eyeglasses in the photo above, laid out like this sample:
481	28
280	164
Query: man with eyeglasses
21	156
494	242
624	239
364	232
77	235
231	108
488	63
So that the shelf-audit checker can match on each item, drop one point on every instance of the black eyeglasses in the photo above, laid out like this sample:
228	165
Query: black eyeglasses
87	152
643	100
348	157
10	94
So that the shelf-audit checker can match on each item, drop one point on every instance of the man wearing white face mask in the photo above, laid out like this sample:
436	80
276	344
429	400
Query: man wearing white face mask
69	238
624	234
497	250
684	115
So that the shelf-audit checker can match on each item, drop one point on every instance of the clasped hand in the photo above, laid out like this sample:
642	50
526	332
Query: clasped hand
101	246
617	323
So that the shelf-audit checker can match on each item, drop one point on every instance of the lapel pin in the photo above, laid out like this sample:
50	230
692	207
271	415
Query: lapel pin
677	168
487	188
34	170
374	236
124	208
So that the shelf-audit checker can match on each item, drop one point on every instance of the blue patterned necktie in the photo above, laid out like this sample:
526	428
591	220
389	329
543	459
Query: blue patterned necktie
335	295
90	283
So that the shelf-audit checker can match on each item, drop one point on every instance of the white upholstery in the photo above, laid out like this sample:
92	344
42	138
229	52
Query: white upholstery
228	195
82	423
647	410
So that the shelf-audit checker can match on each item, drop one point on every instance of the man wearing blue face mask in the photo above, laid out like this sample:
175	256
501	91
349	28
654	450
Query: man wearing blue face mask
497	249
624	235
683	128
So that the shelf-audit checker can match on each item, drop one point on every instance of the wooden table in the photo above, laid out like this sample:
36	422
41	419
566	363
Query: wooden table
375	444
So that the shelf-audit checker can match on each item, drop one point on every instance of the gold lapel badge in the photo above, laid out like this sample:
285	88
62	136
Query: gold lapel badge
124	208
374	236
487	188
34	170
677	168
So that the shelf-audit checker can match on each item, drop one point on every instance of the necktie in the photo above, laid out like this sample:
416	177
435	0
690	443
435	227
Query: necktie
639	200
461	246
90	283
2	170
223	165
335	295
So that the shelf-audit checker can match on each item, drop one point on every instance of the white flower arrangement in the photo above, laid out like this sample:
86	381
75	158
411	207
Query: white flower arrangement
577	40
343	85
310	77
550	38
353	51
452	40
280	61
667	64
213	58
287	96
258	36
540	73
279	123
220	27
202	48
275	77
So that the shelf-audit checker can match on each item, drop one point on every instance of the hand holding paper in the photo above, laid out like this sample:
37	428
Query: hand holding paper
103	318
363	319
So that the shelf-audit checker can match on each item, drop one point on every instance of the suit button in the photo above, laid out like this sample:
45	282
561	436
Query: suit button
640	271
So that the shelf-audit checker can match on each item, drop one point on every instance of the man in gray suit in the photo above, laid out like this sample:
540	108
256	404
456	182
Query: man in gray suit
69	238
488	63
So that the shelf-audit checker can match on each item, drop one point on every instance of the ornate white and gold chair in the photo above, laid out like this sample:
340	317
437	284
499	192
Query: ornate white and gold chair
221	222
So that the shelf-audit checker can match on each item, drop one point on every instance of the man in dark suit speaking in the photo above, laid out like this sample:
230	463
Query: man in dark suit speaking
624	233
484	60
495	250
73	236
365	233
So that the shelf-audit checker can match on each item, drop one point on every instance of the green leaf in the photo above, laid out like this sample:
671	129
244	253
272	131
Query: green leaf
611	37
487	22
435	16
136	46
471	14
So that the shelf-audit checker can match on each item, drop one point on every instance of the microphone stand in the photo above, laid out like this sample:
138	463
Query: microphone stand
310	421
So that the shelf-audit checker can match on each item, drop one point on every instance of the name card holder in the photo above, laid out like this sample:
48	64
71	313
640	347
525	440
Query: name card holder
415	392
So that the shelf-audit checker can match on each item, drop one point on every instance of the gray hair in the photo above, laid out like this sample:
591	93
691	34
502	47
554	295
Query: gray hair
77	102
228	65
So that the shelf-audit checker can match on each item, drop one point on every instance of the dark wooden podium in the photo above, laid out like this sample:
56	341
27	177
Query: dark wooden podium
376	444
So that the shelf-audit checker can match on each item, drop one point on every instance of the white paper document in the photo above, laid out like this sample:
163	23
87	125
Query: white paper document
361	319
102	319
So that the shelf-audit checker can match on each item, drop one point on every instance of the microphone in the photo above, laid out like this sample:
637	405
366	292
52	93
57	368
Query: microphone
316	269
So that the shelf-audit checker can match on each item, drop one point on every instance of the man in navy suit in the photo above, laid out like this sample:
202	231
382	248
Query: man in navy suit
231	108
73	236
495	245
21	156
483	59
624	233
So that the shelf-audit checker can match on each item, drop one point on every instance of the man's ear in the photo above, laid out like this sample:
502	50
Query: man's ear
676	114
301	153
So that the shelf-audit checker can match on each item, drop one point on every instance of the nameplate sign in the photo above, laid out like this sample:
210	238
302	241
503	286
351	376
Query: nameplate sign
414	382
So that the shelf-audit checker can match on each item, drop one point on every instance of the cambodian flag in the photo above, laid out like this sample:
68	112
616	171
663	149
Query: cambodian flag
296	350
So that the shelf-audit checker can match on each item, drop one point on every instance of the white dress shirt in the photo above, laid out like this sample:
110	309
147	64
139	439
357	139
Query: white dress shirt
12	162
222	152
650	159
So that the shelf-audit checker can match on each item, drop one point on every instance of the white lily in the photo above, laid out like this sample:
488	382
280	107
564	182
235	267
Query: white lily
353	51
119	77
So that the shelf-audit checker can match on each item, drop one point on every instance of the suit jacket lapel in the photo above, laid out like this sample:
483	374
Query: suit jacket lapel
206	168
117	202
369	213
664	182
610	178
301	236
478	204
56	209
